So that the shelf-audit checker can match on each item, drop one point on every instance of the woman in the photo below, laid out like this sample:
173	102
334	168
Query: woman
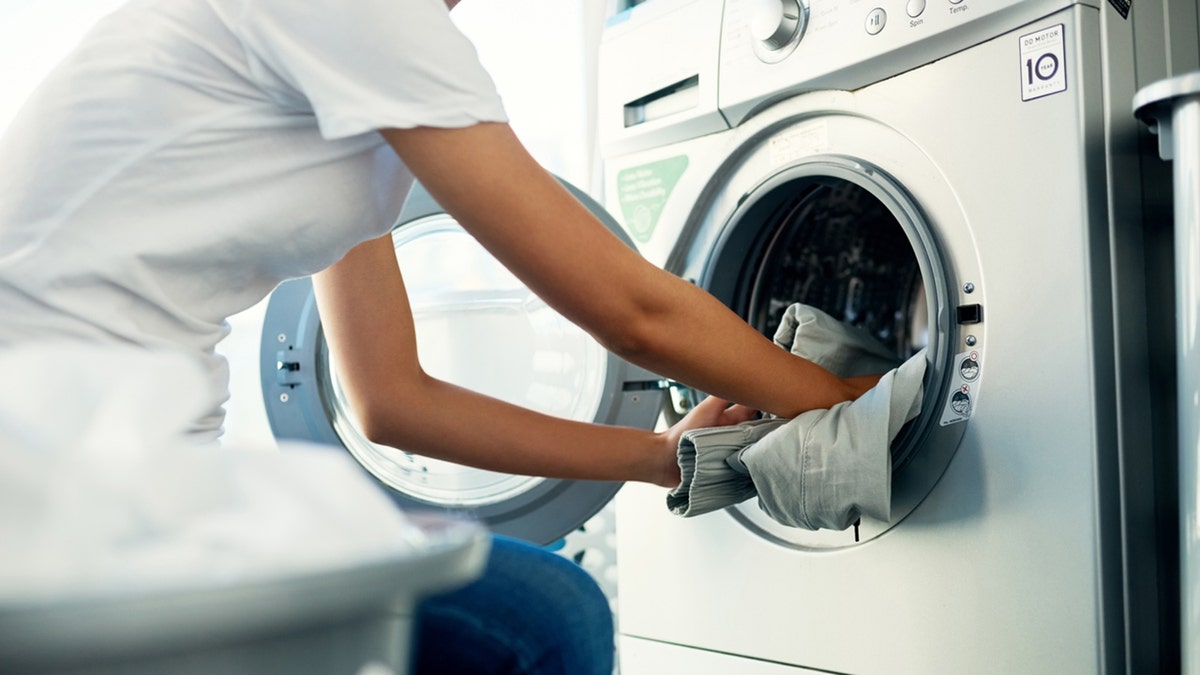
191	154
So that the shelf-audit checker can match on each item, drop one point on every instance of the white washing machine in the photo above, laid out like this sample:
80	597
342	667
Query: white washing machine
960	175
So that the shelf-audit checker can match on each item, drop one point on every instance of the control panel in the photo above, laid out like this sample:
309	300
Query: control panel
774	48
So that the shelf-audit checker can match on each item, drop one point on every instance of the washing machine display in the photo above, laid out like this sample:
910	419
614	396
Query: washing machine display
478	327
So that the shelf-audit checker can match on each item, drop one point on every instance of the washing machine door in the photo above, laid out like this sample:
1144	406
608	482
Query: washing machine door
866	229
532	357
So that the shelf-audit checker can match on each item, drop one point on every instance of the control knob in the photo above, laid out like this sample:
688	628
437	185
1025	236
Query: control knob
776	27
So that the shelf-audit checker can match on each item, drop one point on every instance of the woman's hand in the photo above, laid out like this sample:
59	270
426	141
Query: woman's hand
711	412
717	412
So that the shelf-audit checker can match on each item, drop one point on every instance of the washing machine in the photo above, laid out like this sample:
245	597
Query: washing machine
530	356
958	176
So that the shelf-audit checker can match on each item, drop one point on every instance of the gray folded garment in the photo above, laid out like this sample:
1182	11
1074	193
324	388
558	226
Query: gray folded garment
708	483
823	468
842	349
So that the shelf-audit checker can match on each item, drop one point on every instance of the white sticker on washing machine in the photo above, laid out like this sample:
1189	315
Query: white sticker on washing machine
1043	63
809	139
960	401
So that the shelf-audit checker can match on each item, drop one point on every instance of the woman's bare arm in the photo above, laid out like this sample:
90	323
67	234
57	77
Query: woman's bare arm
522	215
367	320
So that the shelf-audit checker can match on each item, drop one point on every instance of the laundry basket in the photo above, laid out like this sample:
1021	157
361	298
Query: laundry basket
1172	109
351	621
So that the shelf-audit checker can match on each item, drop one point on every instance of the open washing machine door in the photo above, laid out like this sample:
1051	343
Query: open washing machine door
478	327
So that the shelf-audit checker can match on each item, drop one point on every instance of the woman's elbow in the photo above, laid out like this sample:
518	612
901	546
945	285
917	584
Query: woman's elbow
640	340
374	424
381	414
375	428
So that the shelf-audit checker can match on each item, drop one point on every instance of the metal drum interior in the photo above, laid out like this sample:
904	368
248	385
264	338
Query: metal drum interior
839	249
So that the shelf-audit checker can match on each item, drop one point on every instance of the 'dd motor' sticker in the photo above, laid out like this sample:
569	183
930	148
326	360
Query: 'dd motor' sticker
1043	62
960	402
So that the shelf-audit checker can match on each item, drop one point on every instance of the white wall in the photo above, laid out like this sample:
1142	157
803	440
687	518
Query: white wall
34	36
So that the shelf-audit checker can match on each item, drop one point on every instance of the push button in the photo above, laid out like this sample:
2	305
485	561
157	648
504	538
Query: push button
970	313
960	402
915	8
968	369
876	20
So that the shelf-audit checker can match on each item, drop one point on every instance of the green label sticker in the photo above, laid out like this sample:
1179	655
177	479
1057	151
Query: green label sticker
643	190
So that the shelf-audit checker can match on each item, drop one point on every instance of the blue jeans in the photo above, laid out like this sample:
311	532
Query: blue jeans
531	613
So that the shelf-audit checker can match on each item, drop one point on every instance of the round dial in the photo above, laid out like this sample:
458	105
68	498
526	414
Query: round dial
776	26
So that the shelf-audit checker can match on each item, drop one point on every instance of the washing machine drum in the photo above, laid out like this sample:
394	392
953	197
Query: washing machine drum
839	249
478	327
851	242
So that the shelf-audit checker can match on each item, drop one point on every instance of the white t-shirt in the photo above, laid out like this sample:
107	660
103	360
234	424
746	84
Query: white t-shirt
191	154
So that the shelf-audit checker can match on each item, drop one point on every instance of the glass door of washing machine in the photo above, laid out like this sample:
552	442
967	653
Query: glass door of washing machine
478	327
842	236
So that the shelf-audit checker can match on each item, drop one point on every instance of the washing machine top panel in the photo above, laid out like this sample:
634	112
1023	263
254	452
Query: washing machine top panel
848	44
478	327
671	70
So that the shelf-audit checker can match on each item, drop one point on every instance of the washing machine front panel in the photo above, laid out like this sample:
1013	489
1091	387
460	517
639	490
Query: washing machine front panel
481	328
1006	563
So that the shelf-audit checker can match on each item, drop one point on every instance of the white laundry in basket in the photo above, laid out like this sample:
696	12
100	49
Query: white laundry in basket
101	490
